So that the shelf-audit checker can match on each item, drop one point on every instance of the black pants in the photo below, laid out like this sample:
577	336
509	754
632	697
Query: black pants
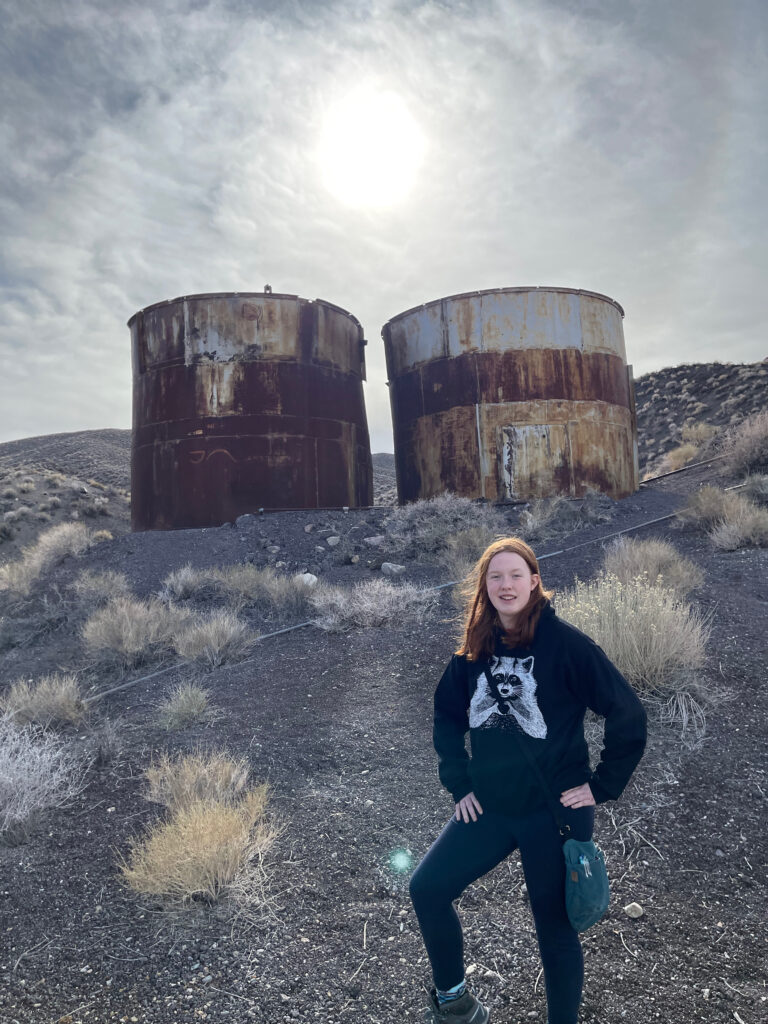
462	853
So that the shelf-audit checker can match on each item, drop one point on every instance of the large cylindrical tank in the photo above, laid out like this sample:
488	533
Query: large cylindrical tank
512	393
243	401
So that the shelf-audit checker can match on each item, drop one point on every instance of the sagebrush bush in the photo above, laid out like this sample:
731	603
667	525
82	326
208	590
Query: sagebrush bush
746	446
374	603
201	851
710	505
626	558
187	778
746	526
187	582
37	772
187	704
756	488
241	586
678	457
54	700
652	636
128	631
51	547
697	433
461	550
99	587
421	527
217	637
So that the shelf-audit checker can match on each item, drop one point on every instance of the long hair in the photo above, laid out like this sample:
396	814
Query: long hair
481	620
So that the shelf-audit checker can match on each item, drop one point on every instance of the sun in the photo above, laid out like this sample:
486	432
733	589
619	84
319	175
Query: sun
371	148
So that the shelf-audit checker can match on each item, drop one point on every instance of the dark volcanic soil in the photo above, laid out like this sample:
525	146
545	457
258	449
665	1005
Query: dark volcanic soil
340	725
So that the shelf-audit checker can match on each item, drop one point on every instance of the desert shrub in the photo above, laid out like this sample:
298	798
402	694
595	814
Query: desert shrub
37	772
746	446
549	517
9	493
628	558
218	637
756	488
99	587
55	479
421	527
51	547
53	700
653	637
463	549
374	603
98	506
678	457
187	704
128	631
697	433
6	531
188	778
187	582
748	525
50	504
17	514
26	486
710	505
201	851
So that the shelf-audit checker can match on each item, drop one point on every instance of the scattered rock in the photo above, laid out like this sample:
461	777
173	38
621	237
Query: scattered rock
309	578
374	542
273	549
245	520
309	528
332	541
392	569
634	910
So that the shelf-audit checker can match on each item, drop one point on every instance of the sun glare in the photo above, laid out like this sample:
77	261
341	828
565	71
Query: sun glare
371	148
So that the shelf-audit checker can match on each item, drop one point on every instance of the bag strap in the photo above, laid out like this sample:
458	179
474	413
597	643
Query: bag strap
554	805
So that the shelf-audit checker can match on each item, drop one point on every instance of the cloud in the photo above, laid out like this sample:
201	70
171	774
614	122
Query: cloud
159	150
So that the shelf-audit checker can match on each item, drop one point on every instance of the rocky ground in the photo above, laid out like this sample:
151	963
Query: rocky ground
340	727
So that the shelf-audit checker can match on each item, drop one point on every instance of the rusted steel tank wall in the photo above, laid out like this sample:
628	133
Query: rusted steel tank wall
512	393
244	401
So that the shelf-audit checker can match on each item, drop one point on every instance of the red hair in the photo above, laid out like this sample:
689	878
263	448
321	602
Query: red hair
481	620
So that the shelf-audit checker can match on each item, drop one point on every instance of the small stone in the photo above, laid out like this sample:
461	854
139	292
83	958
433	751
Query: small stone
719	852
280	565
634	910
369	803
273	549
245	520
392	569
374	542
354	559
319	547
332	541
308	578
309	528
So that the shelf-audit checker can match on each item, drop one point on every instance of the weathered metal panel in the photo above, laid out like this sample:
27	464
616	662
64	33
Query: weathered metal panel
244	401
471	374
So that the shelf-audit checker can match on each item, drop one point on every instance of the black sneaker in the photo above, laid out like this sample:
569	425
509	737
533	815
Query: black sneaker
467	1009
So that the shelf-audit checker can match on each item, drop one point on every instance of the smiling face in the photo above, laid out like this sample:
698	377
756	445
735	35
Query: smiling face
509	582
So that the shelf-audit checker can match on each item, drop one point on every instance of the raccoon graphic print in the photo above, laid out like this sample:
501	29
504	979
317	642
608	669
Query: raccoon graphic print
505	698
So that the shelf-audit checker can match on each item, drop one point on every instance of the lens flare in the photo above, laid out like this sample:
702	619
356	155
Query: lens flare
400	861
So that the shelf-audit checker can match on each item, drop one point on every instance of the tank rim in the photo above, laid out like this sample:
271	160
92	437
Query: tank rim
241	295
504	291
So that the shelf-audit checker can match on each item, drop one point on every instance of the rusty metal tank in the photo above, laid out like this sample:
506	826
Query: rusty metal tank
512	393
244	401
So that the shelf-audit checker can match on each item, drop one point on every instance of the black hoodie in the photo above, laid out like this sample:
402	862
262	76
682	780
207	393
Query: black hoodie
542	693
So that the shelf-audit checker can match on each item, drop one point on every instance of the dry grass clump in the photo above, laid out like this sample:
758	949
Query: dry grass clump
756	488
241	586
463	549
627	558
188	778
747	526
99	587
17	514
187	704
421	527
746	446
9	493
215	638
128	631
215	838
37	772
54	700
697	433
374	603
5	531
678	457
55	479
51	547
731	520
549	517
655	639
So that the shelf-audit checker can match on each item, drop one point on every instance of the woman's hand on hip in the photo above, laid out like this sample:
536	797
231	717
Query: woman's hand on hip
581	796
465	808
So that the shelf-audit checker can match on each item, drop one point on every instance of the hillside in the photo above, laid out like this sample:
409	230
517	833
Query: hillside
339	724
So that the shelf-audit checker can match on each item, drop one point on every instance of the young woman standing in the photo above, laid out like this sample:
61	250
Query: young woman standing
519	669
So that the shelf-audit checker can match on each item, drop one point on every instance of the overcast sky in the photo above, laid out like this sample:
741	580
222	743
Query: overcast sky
158	149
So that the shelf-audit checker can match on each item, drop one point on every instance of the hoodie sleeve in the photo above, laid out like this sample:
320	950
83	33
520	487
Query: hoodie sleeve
605	691
450	726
